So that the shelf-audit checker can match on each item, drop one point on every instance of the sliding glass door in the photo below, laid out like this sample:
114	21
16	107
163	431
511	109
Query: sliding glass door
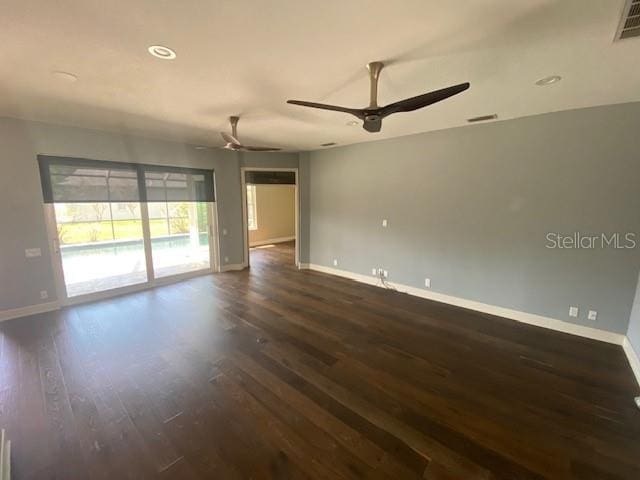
101	246
179	237
120	226
179	229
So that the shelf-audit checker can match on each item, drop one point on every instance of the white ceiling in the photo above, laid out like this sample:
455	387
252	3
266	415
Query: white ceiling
248	57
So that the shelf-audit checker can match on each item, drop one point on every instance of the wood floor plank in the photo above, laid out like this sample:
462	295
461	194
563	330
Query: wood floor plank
351	439
425	446
322	444
274	430
62	436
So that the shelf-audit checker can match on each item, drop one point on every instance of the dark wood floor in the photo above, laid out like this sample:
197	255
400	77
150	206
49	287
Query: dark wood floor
276	373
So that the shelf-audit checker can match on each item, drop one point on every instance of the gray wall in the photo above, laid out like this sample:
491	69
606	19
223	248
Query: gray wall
304	194
21	209
470	208
633	332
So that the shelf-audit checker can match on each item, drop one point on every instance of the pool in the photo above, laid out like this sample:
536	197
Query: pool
94	267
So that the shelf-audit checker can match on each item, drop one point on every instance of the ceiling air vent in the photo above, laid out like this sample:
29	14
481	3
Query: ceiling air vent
630	22
483	118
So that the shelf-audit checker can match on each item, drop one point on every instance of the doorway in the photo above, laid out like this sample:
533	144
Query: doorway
270	212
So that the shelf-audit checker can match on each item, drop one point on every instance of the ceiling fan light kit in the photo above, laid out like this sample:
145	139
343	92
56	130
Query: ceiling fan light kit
373	115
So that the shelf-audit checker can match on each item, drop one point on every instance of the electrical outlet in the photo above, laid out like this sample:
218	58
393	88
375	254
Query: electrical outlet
592	315
573	311
224	231
44	294
226	259
384	222
374	271
385	274
32	252
335	262
427	282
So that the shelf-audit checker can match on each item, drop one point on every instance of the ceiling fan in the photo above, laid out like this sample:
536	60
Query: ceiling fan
373	114
234	144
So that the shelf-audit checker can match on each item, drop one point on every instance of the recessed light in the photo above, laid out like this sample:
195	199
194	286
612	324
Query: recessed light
352	123
66	76
160	51
543	82
329	144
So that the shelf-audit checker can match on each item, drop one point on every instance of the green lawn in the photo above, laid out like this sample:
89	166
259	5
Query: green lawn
85	232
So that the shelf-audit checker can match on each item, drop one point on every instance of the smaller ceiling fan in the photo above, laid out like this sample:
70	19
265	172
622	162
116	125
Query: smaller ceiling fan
234	144
373	114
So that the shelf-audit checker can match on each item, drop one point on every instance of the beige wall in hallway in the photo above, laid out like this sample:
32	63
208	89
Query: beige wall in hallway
275	207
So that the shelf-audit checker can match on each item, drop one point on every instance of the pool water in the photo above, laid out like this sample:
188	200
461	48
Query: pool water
90	268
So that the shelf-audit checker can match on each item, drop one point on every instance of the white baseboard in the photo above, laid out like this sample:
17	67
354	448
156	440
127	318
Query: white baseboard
232	267
29	310
272	240
633	358
524	317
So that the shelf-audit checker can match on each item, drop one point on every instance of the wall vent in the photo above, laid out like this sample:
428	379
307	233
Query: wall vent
630	22
482	118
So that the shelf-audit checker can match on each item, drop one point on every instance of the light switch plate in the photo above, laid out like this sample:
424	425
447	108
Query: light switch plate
573	311
592	315
32	252
427	282
384	222
335	262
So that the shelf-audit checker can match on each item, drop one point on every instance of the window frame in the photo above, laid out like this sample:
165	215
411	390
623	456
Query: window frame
252	208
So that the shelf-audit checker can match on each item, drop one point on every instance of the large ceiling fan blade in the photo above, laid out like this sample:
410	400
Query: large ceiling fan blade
323	106
229	138
414	103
